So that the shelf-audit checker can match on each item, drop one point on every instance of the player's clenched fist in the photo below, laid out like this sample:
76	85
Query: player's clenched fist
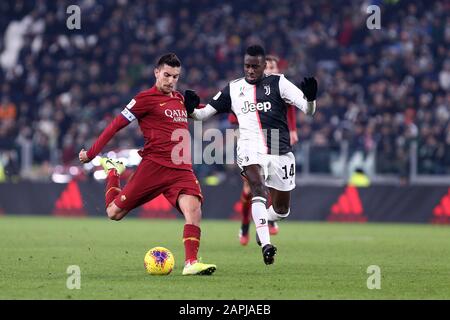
309	88
191	100
82	156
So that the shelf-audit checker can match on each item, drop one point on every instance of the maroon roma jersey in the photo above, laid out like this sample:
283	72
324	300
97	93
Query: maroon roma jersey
163	122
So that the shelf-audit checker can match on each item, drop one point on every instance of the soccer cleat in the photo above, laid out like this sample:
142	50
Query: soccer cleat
109	164
243	238
199	268
269	251
243	235
273	228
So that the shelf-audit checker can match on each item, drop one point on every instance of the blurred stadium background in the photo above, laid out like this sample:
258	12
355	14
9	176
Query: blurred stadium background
384	98
377	150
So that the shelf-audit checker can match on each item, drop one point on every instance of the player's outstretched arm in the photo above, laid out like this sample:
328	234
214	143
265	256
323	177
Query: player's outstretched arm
191	103
203	113
304	99
309	88
191	100
117	124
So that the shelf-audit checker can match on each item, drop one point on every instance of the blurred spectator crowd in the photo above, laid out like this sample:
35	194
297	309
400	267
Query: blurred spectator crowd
380	91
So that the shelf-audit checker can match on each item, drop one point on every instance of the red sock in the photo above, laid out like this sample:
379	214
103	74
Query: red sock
246	207
191	239
112	186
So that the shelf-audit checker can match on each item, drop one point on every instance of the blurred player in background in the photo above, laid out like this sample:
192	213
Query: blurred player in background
264	152
159	112
246	196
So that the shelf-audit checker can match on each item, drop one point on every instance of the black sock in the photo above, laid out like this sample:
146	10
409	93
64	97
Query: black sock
244	228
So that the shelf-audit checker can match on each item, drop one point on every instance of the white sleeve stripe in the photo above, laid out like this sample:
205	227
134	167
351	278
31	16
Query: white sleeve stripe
127	114
217	95
131	104
261	199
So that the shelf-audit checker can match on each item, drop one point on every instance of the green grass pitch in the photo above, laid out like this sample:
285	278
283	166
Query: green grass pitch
314	261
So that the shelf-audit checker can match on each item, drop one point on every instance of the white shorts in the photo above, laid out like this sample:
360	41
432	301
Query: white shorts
278	170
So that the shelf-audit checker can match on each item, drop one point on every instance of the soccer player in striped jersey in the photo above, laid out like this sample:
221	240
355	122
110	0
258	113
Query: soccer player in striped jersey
246	196
264	154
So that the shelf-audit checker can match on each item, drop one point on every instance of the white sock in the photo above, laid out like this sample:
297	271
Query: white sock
273	216
259	214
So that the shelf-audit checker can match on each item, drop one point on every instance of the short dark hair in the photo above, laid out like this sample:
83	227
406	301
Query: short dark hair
256	51
170	59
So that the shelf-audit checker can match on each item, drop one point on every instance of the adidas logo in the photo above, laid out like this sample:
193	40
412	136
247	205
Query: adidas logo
441	213
70	202
348	207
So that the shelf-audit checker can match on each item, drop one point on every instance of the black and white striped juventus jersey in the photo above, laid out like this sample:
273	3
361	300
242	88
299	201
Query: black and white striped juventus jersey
261	110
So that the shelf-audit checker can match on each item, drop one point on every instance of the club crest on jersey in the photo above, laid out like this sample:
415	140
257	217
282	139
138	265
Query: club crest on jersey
176	115
267	89
260	106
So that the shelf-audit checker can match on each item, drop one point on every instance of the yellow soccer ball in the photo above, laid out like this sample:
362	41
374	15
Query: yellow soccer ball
159	261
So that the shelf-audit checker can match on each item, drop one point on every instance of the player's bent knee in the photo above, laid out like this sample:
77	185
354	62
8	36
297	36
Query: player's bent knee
115	217
279	213
282	210
115	213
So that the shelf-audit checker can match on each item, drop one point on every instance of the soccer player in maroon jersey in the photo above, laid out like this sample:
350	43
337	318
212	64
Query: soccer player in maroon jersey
159	111
246	196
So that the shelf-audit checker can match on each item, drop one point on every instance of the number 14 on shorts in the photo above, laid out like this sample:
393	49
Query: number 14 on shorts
291	171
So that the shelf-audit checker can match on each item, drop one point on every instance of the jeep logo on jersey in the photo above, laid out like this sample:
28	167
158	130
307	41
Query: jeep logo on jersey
260	106
176	115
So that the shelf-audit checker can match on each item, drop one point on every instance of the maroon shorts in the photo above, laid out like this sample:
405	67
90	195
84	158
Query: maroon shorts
151	179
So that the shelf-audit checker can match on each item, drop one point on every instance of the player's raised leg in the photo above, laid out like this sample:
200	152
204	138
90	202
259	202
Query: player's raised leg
280	208
190	206
259	211
113	169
